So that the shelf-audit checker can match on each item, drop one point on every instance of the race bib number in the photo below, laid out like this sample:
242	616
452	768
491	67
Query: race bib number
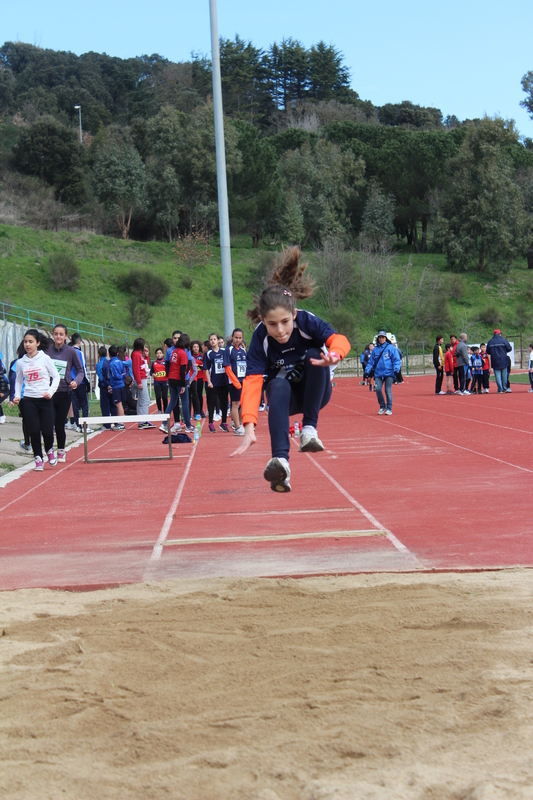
219	367
160	374
61	367
241	369
32	375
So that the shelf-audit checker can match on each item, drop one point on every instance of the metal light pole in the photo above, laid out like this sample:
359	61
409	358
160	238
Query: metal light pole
79	113
223	212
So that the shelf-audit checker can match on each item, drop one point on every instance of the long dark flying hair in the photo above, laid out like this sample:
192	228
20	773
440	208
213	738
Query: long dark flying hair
287	285
43	341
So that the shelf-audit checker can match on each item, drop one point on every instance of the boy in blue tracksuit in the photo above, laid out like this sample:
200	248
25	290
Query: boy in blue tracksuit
102	370
116	380
384	364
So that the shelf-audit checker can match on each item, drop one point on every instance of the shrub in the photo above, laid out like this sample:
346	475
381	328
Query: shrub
140	313
145	285
64	272
457	287
186	283
490	316
523	315
343	321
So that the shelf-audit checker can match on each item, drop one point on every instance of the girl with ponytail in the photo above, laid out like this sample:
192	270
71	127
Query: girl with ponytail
291	352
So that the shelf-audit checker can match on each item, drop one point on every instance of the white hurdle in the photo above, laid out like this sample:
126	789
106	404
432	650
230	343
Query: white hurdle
84	421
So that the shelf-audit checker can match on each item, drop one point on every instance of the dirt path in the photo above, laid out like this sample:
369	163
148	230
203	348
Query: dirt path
380	687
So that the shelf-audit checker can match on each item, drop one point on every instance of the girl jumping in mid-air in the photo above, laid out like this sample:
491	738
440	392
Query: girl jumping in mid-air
288	352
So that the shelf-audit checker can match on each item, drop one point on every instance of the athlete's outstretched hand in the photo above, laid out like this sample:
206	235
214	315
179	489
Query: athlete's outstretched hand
325	361
248	440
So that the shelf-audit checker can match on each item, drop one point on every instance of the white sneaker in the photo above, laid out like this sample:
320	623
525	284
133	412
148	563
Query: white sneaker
381	411
262	407
38	464
163	428
239	431
388	412
466	392
70	426
442	392
216	417
278	472
61	456
508	391
52	460
309	441
176	428
2	419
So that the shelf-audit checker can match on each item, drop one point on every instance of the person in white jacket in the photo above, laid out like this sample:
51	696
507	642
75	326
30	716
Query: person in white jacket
41	380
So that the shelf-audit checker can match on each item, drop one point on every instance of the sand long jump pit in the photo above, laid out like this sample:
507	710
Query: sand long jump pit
389	686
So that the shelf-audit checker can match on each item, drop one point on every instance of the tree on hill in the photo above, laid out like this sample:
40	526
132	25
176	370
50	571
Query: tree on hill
118	178
409	114
51	151
481	220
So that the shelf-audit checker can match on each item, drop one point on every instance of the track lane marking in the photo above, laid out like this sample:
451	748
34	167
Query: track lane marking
158	547
267	513
275	537
370	517
436	439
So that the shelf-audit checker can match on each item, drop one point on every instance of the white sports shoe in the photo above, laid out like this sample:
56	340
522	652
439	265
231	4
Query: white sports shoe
309	441
2	419
216	417
239	431
278	472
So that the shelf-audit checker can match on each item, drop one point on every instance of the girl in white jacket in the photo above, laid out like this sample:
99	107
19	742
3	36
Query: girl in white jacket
41	380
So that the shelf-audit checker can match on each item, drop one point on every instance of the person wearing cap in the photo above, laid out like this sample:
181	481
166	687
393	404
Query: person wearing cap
497	348
384	363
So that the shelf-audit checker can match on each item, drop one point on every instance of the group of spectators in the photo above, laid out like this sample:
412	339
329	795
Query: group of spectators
468	369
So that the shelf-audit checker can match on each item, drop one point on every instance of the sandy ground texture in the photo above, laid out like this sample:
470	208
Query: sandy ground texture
382	687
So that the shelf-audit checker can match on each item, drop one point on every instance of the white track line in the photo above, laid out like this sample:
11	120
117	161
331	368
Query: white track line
275	537
461	418
58	471
370	517
158	547
267	513
436	439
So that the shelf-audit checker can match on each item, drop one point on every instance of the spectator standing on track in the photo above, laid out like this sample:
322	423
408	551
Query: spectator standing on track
64	358
497	348
159	373
116	379
486	367
79	398
140	373
288	351
197	386
24	443
453	344
102	373
177	378
438	363
384	363
461	356
130	403
530	368
476	366
448	367
235	368
41	379
217	383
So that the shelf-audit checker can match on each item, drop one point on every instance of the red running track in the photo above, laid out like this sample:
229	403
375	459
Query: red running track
442	484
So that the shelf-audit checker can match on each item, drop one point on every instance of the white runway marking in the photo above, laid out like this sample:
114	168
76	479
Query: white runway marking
370	517
275	537
436	439
267	513
158	547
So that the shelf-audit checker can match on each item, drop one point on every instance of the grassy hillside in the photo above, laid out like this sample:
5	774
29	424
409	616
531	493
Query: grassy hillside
410	307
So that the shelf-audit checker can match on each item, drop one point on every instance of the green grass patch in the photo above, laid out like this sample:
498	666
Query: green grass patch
7	466
25	281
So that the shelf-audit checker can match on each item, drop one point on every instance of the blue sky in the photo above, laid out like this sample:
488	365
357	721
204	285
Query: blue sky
466	58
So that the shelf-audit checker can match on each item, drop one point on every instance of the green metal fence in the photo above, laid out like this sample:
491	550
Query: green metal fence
40	319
